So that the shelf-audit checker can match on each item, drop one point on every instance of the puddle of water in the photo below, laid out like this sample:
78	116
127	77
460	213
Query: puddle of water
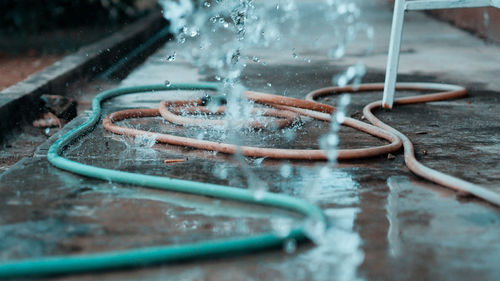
455	238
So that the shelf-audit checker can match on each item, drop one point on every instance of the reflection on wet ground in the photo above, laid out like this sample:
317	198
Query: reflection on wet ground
426	221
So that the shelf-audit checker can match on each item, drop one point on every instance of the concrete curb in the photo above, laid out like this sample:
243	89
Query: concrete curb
20	103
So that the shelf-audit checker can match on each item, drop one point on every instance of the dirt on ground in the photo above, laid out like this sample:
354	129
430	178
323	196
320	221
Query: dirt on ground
15	68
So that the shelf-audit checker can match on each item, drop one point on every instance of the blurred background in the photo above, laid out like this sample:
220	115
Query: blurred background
36	33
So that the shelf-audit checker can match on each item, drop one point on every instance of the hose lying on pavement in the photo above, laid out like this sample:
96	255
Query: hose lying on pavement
287	105
158	254
447	92
320	111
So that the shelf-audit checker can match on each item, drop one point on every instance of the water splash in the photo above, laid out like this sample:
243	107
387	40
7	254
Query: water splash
330	141
220	33
315	229
353	74
218	37
139	148
145	141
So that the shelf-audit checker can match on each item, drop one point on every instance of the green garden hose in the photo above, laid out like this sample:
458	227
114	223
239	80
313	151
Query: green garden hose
159	254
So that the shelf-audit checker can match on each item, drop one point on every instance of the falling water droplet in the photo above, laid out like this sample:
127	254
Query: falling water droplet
220	171
286	170
486	19
167	83
282	226
258	194
337	52
171	57
290	246
258	187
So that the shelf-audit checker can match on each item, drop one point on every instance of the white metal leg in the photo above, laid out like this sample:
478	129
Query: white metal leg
394	49
397	32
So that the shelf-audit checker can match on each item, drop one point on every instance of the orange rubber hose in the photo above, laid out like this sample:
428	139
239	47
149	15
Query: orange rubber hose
350	154
311	108
287	101
170	110
448	92
300	106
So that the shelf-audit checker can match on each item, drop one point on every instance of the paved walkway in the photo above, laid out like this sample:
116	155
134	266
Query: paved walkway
385	223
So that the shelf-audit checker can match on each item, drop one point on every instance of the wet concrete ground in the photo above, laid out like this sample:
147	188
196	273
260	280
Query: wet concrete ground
385	223
23	141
